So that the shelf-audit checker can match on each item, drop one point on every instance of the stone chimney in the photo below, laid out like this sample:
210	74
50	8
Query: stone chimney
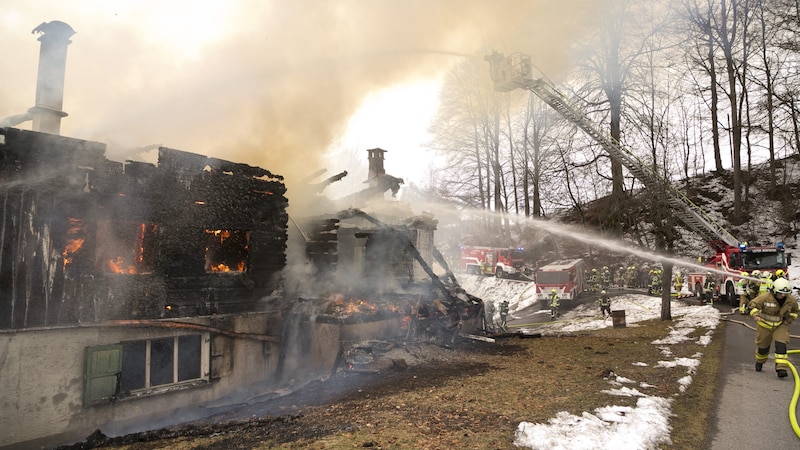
375	163
47	111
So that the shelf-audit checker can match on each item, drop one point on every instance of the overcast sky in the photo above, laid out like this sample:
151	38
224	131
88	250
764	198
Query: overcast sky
268	83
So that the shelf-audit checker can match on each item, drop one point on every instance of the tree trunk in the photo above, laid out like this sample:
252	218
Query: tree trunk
666	287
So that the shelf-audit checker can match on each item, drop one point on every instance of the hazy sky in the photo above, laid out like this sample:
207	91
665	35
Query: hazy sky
265	82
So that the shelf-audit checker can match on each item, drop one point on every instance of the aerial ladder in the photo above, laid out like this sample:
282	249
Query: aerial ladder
516	72
732	257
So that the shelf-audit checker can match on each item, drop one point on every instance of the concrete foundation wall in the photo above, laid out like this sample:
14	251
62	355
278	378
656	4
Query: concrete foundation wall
42	381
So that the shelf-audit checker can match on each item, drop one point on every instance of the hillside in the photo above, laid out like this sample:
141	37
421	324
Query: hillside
770	216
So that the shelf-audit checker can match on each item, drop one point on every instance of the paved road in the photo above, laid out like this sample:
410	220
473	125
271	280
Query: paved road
753	407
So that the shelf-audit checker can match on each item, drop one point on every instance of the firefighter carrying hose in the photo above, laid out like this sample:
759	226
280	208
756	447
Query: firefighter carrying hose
774	310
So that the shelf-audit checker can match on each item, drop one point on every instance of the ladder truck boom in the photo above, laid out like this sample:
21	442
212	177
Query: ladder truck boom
515	72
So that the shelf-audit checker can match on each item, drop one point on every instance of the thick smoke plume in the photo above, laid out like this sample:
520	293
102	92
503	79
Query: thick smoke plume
268	83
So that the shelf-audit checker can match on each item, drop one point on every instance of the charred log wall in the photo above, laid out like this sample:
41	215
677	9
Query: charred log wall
85	239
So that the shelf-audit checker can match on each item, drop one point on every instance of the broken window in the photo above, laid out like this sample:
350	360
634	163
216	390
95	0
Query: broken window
125	247
141	367
226	250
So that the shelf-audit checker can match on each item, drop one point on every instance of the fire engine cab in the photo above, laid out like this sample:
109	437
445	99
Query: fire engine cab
500	262
729	262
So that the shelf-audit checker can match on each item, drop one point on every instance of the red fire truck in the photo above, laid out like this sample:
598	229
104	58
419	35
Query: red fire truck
500	262
566	277
729	262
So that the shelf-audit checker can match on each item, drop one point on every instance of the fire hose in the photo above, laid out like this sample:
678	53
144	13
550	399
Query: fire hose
796	393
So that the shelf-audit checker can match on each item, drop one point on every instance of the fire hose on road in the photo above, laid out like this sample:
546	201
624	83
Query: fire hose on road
796	393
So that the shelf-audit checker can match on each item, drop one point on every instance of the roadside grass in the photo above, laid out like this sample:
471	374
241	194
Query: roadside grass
693	410
477	398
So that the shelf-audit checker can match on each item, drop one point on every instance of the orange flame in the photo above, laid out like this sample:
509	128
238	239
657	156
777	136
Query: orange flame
118	266
220	268
222	237
73	244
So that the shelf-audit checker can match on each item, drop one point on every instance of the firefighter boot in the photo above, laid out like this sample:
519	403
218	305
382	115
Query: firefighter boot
761	357
780	359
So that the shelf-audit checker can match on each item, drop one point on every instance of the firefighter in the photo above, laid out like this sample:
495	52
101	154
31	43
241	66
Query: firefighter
654	287
593	280
766	282
605	278
709	288
489	316
678	282
630	277
605	304
503	315
619	277
554	304
774	310
743	287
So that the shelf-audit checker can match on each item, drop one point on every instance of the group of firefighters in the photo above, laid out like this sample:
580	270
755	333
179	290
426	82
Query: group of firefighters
765	296
628	277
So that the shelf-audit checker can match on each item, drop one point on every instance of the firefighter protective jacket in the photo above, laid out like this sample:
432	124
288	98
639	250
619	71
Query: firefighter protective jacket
771	312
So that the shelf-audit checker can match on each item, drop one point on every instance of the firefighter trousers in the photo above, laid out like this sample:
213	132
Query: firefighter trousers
764	338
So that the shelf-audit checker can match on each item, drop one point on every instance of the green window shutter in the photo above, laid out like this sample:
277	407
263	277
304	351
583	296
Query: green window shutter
103	366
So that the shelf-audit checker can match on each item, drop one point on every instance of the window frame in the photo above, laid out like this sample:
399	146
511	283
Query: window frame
94	377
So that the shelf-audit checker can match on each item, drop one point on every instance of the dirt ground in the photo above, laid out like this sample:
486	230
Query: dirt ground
469	395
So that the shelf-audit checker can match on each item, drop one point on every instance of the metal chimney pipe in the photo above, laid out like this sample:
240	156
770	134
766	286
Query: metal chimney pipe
47	111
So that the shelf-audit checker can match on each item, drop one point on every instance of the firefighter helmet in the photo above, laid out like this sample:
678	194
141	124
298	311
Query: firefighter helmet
553	291
756	273
766	274
782	286
780	273
744	274
603	292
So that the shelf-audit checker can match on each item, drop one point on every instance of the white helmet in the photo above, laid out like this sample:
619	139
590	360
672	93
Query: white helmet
782	286
756	273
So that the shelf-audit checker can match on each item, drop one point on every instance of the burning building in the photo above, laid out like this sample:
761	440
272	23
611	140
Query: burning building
99	259
134	295
157	289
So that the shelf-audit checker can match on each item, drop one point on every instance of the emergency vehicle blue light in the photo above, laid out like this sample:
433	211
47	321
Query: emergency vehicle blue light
780	245
742	245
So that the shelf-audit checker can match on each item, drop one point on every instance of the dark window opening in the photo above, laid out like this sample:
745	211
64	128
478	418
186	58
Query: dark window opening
226	250
134	366
162	355
189	355
125	247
